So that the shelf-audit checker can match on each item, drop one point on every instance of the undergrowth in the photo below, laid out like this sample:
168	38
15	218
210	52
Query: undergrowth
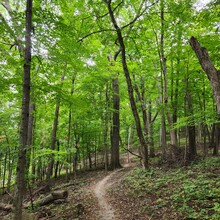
191	192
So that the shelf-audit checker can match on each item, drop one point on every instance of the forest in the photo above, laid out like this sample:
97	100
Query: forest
88	87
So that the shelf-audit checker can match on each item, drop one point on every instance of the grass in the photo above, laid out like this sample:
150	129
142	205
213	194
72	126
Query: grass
191	192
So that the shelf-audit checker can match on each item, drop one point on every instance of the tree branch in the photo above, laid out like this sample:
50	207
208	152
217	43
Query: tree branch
95	32
155	116
117	53
139	14
17	40
102	16
137	155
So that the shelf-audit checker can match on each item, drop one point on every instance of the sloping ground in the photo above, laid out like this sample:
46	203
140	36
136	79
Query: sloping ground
107	212
191	192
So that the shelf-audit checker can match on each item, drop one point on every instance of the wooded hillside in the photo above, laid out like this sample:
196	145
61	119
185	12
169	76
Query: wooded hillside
82	82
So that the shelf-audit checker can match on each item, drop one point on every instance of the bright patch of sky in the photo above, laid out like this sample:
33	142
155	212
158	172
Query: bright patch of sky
200	4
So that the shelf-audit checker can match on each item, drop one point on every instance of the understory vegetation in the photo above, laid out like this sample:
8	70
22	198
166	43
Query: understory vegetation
191	192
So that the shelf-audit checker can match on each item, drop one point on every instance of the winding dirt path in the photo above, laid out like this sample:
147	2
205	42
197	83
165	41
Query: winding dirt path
106	210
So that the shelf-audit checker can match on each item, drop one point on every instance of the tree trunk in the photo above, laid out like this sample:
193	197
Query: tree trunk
105	130
4	172
212	73
140	134
214	78
21	165
54	138
11	159
30	133
58	162
191	130
115	163
150	130
217	140
173	136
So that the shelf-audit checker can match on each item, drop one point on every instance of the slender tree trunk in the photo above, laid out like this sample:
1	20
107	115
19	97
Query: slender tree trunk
217	140
21	166
58	162
69	154
105	131
4	172
140	134
150	130
191	129
54	136
30	133
173	137
54	139
11	159
7	156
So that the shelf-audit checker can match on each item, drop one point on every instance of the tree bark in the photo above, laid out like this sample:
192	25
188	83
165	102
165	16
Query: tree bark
143	143
213	76
150	130
105	128
115	163
60	194
54	136
173	136
30	133
207	65
21	165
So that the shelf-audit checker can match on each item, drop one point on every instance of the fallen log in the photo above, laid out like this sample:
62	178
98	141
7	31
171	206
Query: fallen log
6	207
60	194
43	189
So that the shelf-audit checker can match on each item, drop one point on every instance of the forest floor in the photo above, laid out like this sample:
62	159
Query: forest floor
191	192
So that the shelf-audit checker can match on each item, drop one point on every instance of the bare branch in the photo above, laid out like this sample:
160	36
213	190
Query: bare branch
137	155
117	53
92	33
102	16
139	14
155	116
11	32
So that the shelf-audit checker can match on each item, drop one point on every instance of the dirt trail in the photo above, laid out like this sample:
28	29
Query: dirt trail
107	212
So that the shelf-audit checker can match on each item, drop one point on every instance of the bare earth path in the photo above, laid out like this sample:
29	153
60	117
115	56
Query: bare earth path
107	212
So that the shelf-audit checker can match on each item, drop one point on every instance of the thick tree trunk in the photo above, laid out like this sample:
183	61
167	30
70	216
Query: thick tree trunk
214	78
21	166
212	73
140	134
115	163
